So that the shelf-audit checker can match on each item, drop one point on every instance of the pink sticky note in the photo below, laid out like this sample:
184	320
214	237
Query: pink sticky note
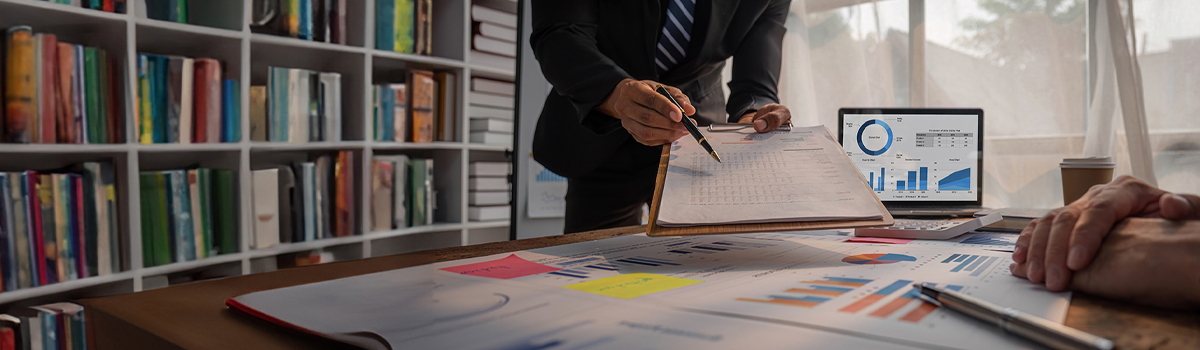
511	267
878	240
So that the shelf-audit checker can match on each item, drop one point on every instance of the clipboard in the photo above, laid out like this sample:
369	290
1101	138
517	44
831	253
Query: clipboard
654	230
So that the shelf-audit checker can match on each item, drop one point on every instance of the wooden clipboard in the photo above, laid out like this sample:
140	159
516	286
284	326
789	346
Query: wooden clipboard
654	230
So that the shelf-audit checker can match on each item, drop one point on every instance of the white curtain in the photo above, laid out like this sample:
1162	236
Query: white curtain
1025	62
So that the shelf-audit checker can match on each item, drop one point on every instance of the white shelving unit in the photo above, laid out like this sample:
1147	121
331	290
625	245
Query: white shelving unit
222	33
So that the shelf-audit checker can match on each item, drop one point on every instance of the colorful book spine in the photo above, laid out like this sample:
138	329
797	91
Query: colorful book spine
145	95
231	118
385	30
49	230
405	16
184	236
20	88
306	19
65	100
48	106
96	130
224	216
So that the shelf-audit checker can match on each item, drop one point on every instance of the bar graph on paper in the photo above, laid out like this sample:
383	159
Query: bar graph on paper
897	301
974	265
811	293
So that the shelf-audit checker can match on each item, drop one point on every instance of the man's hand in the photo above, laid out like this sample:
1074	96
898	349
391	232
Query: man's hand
768	118
651	118
1067	239
1146	261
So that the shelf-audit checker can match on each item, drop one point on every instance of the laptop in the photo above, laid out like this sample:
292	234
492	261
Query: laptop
919	161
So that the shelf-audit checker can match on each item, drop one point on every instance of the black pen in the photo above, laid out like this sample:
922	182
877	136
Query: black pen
1031	327
689	124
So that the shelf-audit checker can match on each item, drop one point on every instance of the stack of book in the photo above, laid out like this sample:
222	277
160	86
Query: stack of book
59	326
187	215
491	111
114	6
58	92
420	110
402	193
494	30
489	194
58	226
184	100
297	105
404	26
314	20
305	201
165	10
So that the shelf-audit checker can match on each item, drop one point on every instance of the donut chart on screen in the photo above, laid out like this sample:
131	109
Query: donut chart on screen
877	259
864	128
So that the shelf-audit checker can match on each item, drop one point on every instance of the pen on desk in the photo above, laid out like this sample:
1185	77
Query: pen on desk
1031	327
689	124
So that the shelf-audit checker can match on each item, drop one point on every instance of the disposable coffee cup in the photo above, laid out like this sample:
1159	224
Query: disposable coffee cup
1080	174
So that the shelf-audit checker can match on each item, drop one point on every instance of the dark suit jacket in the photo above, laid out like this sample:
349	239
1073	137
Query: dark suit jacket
585	47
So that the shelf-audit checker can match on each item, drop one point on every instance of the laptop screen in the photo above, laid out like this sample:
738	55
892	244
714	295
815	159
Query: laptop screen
917	155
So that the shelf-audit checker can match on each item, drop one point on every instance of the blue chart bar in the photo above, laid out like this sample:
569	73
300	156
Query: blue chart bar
912	180
881	179
635	262
679	251
831	288
848	280
571	273
985	266
924	178
811	298
871	181
956	181
710	248
900	186
951	258
605	267
654	260
961	258
965	263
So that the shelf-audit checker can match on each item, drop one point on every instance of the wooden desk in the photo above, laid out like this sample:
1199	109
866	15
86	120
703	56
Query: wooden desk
193	316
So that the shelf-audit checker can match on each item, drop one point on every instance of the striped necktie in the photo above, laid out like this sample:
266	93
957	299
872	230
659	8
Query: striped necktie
676	34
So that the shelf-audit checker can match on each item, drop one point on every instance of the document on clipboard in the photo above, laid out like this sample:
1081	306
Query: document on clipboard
792	176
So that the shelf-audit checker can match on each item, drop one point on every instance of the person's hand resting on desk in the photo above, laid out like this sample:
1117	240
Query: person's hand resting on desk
653	120
1072	247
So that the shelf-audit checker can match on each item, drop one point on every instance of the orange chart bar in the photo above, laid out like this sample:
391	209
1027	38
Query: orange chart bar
861	303
815	292
891	307
788	302
919	313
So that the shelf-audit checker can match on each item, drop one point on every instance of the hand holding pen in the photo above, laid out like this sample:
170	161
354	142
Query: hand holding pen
649	117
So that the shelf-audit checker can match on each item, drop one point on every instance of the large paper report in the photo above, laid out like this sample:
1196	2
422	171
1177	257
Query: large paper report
809	290
779	176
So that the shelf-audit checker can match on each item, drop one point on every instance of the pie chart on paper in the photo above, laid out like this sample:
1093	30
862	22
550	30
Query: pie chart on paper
877	259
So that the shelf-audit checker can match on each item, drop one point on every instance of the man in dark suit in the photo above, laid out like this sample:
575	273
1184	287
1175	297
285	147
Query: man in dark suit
602	126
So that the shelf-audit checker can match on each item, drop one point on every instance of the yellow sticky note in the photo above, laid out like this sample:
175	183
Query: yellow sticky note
632	285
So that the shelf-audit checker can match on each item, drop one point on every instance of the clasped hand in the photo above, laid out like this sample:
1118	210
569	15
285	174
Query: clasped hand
653	120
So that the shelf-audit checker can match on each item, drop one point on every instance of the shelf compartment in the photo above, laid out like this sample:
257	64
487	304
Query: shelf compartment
416	241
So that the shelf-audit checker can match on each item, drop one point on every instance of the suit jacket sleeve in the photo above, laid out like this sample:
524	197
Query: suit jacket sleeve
756	63
564	42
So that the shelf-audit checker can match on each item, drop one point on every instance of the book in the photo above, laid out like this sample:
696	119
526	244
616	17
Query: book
309	200
492	86
397	101
492	100
95	118
421	193
17	226
66	69
208	100
192	178
19	87
493	138
331	103
403	26
494	31
399	205
49	228
181	219
231	111
385	29
493	125
224	217
422	105
266	208
8	244
324	195
480	13
258	113
344	204
483	183
423	27
474	111
182	92
488	169
382	200
487	198
446	124
491	60
305	27
47	81
204	245
488	213
493	46
286	207
298	105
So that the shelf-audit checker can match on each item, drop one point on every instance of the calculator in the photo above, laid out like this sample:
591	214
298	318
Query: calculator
927	229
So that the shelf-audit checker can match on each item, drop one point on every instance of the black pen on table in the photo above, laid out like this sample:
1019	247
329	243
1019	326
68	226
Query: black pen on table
689	124
1031	327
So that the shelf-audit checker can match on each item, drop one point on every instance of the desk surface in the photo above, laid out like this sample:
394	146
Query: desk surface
193	316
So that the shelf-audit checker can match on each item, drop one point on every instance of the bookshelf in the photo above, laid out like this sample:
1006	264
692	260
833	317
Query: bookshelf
223	33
